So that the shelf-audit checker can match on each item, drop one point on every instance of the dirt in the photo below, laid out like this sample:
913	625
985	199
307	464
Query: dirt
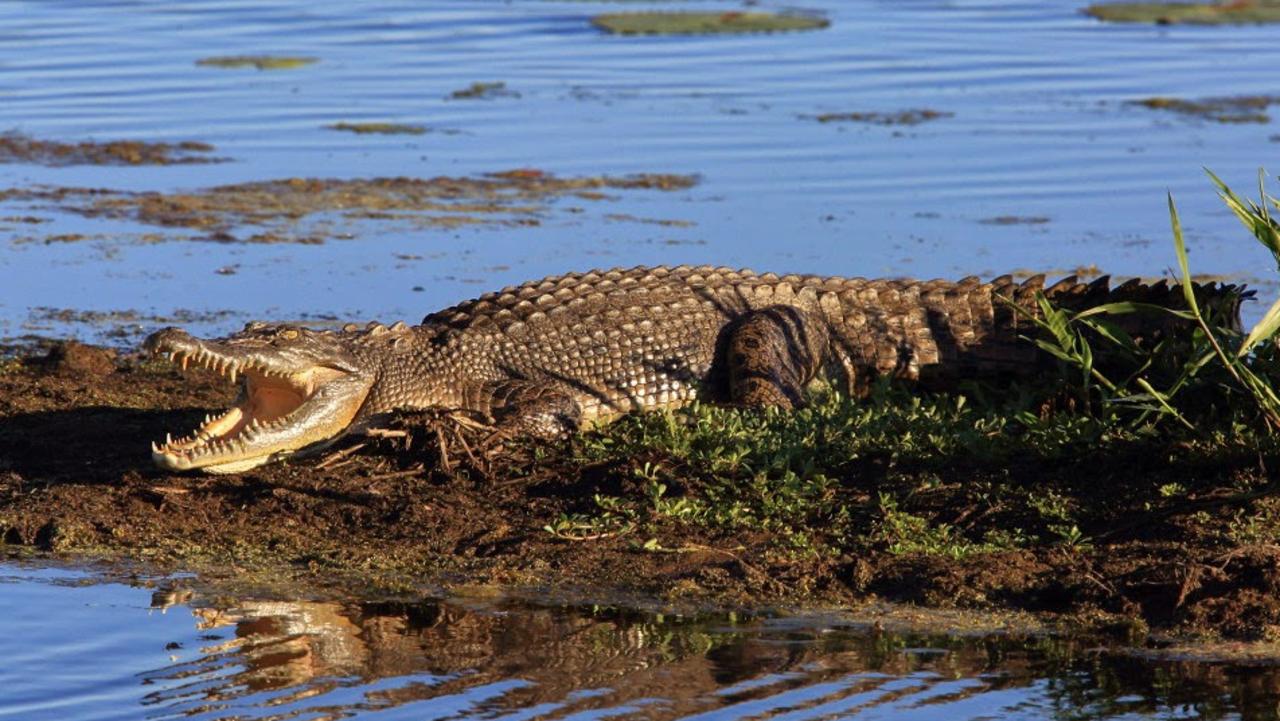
374	519
18	148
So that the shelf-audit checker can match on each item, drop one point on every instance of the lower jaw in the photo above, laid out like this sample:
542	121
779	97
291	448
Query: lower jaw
237	465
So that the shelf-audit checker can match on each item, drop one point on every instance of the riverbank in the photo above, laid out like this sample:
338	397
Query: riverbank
936	501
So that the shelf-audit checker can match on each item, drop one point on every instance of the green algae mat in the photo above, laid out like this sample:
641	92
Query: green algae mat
1239	12
378	128
259	62
1235	109
703	23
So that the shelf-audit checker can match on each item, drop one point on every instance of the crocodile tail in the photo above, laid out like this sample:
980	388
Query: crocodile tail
979	330
1219	302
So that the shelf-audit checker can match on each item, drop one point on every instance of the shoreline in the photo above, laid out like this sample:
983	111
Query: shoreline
76	482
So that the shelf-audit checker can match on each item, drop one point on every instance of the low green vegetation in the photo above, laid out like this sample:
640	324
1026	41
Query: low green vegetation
260	62
1233	109
703	23
1127	433
378	128
1226	12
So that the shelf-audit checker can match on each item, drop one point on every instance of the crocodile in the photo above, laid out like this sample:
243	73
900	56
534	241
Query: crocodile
548	356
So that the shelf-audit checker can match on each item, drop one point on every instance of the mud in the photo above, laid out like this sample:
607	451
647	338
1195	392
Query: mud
17	148
406	514
312	210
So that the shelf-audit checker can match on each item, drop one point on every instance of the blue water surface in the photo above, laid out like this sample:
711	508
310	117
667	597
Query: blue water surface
1042	128
77	648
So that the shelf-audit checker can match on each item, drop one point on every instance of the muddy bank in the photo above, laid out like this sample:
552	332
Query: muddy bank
1195	558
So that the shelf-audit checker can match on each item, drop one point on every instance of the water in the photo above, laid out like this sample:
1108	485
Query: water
1040	129
110	651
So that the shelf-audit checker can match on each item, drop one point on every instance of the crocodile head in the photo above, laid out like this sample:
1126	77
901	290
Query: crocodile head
300	390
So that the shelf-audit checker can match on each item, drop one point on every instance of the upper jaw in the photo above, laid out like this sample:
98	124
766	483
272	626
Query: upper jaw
237	354
288	402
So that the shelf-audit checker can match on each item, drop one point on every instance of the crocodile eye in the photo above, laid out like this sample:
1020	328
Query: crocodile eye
289	334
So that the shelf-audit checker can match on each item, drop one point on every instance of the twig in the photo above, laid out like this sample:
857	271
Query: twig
169	489
336	456
595	536
385	433
445	464
395	474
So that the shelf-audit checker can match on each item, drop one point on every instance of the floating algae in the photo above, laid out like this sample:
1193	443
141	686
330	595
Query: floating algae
378	128
484	91
700	23
1233	109
1015	220
17	148
1234	12
261	62
914	116
307	210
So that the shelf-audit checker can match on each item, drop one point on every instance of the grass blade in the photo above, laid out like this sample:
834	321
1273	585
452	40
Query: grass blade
1264	330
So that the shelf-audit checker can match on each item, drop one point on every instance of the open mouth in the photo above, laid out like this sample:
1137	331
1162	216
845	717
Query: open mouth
267	401
276	414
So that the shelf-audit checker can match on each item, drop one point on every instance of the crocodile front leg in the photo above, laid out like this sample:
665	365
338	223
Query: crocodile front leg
773	353
526	408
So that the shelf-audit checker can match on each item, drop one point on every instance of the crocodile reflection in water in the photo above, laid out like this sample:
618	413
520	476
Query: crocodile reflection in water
487	659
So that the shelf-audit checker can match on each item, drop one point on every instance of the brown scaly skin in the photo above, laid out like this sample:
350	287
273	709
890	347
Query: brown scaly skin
544	357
